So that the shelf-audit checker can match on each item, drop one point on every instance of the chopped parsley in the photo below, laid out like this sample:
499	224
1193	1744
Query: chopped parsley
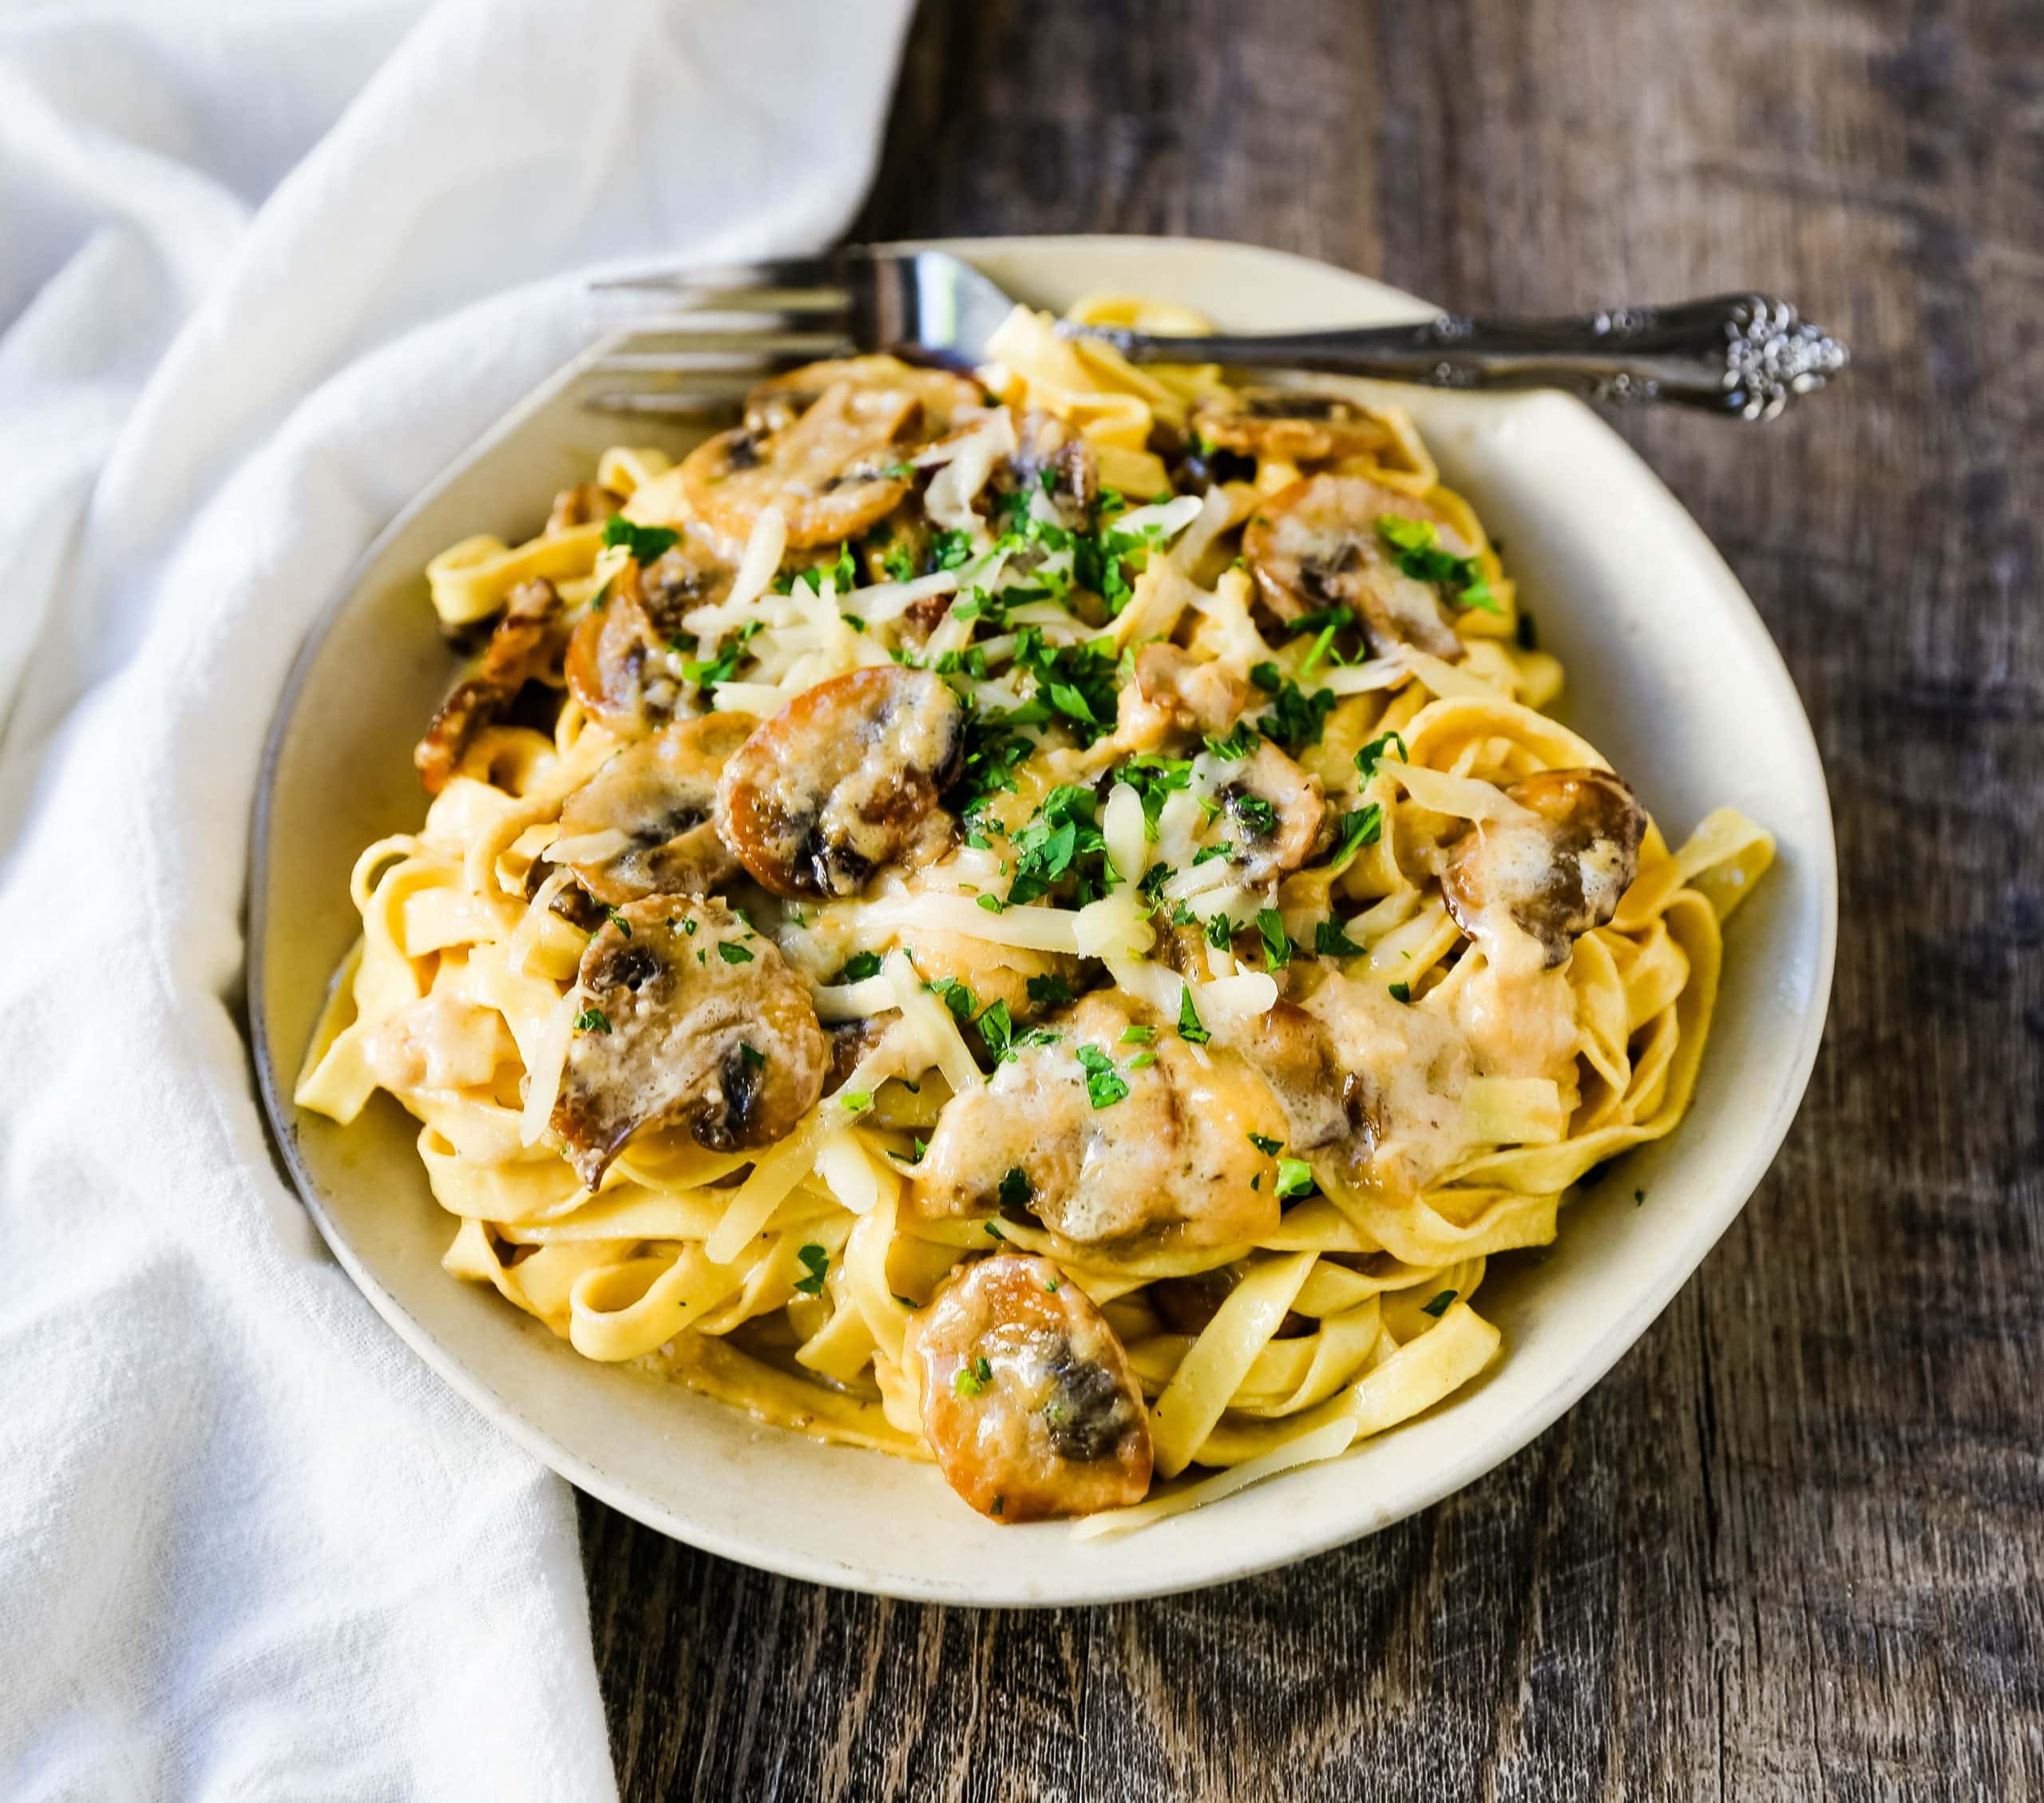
1050	991
1330	941
752	1058
1138	1035
1438	1307
970	1380
1294	1177
951	549
859	966
1241	741
1401	992
1265	1145
1365	826
592	1020
1206	853
1190	1029
734	954
1064	835
1417	544
896	565
706	672
1374	753
1154	778
816	1262
1277	942
1016	1190
618	921
1220	932
1075	684
644	543
1638	1196
1296	719
1142	1060
1104	1084
855	1101
996	1030
1258	817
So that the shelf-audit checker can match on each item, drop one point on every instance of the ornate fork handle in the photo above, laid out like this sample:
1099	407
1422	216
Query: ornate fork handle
1745	356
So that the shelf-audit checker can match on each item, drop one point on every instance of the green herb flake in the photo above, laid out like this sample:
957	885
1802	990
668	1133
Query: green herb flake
1015	1191
1050	991
1401	992
1104	1084
1364	826
1268	1147
859	966
816	1262
972	1379
855	1101
1190	1029
644	543
1638	1196
1138	1035
1277	942
618	921
1294	1177
1330	941
1142	1060
592	1020
1438	1307
734	954
1416	542
753	1059
1378	749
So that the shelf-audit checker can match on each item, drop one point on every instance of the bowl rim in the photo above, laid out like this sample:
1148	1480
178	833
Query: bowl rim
1006	1585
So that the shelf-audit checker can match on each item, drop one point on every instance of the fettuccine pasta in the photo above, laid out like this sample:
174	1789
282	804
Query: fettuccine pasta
1037	922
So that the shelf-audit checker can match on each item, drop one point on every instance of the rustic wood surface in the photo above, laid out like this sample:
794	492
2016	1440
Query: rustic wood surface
1793	1546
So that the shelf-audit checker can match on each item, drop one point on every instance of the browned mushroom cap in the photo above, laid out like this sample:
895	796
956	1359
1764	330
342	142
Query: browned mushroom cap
1556	870
582	505
1028	1402
777	404
825	446
1195	694
1315	545
1046	447
1105	1151
1288	423
522	647
661	794
688	1017
844	781
624	661
1275	810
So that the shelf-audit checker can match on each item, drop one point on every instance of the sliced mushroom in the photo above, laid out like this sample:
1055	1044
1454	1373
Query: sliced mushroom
1288	423
1274	808
582	505
844	781
1028	1399
624	662
1104	1151
688	1018
522	648
773	405
1051	460
824	445
1196	694
1291	1050
1552	872
660	794
1316	544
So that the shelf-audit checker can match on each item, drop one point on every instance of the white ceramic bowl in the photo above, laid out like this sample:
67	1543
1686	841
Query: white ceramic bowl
1670	674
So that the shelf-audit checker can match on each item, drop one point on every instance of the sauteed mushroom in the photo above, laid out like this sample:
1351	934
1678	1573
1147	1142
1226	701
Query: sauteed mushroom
624	661
1273	807
1316	544
691	1018
826	445
661	794
1103	1148
520	649
1195	696
1554	871
844	781
1045	446
582	505
1028	1399
1289	423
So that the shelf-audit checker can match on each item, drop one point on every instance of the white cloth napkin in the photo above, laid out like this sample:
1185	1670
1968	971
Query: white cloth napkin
264	270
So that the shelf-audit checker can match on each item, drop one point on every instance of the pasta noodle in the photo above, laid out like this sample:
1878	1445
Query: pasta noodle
1038	925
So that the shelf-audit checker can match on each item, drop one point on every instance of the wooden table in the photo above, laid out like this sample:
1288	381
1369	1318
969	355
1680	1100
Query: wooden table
1793	1546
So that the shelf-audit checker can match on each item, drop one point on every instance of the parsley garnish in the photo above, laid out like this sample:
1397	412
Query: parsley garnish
1277	942
1064	832
592	1020
1049	992
1373	754
1417	543
1401	992
1268	1147
1258	817
1138	1035
1154	778
734	954
1014	1191
1438	1307
1294	1177
1190	1029
1296	719
1365	826
951	549
855	1101
816	1260
1239	744
706	672
618	921
971	1381
1104	1086
1142	1060
1220	932
644	543
996	1028
897	565
1330	941
859	966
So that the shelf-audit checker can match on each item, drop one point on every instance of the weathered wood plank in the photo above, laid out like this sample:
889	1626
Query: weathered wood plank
1792	1546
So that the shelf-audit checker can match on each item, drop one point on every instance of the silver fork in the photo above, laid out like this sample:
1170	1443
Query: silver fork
693	340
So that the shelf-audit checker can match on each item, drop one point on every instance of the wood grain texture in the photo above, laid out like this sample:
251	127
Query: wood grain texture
1794	1547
